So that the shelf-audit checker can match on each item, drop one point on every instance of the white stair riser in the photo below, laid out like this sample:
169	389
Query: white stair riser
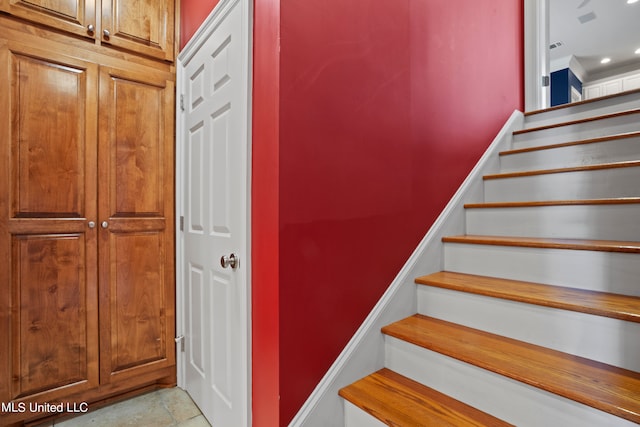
583	110
598	338
509	400
603	222
577	132
580	185
574	155
598	271
356	417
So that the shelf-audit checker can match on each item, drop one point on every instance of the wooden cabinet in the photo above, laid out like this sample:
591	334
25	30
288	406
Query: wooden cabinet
72	16
136	228
143	26
48	299
87	289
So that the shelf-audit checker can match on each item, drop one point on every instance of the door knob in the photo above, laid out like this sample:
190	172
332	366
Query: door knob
91	224
106	34
90	28
230	261
104	224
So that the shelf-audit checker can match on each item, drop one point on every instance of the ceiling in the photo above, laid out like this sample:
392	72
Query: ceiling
593	29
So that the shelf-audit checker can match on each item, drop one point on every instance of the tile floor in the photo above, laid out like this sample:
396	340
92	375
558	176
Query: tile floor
163	408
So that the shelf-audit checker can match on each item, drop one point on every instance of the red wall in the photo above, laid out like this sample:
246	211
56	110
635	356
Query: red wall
192	14
385	107
368	115
265	207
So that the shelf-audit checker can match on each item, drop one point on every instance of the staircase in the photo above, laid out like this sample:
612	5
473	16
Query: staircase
535	318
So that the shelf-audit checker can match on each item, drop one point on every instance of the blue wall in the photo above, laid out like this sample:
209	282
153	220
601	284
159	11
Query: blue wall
561	83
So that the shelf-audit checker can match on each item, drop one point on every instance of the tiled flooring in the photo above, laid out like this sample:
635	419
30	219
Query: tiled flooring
163	408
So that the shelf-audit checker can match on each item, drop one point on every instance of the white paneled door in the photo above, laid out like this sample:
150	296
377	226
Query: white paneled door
214	266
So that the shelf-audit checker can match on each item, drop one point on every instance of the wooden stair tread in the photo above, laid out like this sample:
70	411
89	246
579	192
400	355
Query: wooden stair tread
399	401
605	387
613	201
548	243
583	102
617	306
600	166
578	121
609	138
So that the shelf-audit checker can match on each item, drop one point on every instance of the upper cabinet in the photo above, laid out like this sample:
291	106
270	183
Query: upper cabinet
73	16
145	27
142	26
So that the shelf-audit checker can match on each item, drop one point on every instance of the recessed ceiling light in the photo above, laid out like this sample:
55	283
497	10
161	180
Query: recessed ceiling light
605	60
638	51
632	1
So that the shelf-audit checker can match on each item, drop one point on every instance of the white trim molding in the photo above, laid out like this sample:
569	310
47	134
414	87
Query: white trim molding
536	54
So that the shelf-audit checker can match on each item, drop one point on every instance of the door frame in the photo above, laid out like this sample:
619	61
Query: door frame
536	54
218	13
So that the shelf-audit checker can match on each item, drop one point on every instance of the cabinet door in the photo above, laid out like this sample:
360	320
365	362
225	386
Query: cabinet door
631	82
48	284
612	87
143	26
74	16
591	92
137	285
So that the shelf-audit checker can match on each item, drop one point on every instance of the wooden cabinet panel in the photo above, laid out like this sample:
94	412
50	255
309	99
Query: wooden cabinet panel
138	322
137	148
136	205
48	138
51	345
143	26
73	16
48	287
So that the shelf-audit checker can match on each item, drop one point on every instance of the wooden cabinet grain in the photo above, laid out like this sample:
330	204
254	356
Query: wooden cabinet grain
48	300
145	27
72	16
87	290
135	215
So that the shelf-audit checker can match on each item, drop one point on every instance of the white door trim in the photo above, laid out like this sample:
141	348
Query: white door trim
536	54
217	15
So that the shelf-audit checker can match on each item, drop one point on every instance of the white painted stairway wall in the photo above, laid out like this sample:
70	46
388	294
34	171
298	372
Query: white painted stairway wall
577	167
